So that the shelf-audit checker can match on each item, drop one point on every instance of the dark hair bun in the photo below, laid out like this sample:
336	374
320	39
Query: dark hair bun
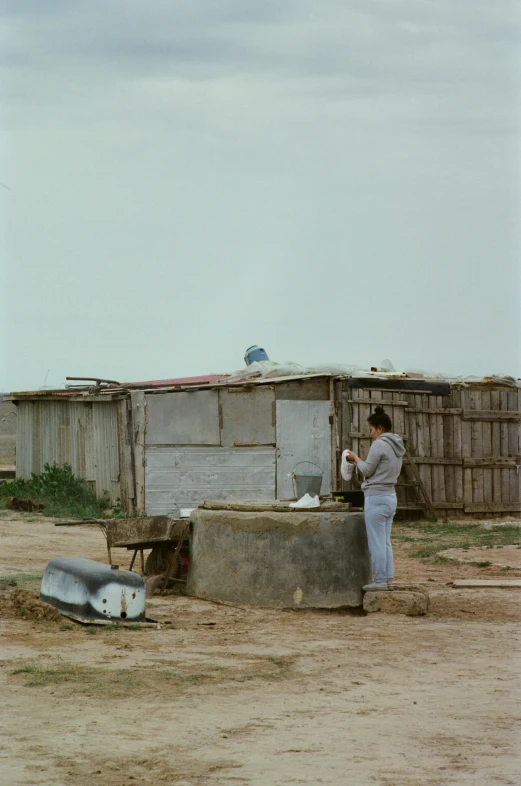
379	411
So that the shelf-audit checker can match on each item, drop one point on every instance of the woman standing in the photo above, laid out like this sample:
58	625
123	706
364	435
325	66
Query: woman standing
380	471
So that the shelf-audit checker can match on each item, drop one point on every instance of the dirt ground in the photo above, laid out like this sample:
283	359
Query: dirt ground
223	695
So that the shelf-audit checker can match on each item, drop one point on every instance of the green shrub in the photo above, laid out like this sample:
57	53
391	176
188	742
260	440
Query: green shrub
61	492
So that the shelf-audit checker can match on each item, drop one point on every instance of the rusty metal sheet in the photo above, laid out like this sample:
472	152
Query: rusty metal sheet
303	434
247	416
128	532
184	477
183	418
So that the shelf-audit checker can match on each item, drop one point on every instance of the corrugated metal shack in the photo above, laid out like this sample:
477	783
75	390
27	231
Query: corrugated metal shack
169	444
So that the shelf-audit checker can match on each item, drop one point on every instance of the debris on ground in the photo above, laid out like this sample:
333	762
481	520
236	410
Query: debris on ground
26	605
17	503
411	600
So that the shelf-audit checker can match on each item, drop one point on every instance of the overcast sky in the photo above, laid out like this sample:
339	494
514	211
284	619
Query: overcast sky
336	180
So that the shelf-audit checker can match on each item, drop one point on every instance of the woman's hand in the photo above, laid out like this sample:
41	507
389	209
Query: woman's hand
350	456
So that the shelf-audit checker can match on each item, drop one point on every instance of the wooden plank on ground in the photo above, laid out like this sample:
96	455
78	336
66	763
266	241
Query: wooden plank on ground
487	583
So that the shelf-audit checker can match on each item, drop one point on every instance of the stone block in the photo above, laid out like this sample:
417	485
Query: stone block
306	559
412	604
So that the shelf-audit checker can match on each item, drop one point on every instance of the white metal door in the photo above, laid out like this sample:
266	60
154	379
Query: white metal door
303	434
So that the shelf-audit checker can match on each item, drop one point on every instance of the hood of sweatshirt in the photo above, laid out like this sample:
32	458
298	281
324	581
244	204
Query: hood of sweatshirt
395	441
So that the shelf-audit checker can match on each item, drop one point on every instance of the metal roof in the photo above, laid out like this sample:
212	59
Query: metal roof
114	391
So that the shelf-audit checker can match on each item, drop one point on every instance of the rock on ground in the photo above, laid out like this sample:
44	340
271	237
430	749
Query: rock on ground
412	604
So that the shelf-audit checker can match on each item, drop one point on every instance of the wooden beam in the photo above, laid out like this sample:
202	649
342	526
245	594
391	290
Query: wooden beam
364	435
490	414
492	507
436	411
382	402
493	461
434	460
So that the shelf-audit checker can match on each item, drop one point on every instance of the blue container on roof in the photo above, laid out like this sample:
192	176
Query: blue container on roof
255	353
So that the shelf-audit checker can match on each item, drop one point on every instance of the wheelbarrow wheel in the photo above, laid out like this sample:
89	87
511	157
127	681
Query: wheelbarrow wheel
158	561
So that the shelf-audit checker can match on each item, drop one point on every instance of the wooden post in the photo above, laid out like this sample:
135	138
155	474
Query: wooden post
414	470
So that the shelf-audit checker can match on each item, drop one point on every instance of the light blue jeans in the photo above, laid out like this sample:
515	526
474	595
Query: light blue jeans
379	513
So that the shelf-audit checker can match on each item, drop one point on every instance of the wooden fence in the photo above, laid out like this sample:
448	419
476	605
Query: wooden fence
466	446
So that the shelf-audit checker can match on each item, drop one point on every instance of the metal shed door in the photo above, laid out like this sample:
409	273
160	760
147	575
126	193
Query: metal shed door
303	434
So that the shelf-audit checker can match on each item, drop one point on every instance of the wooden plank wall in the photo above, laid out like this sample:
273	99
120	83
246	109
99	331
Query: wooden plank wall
467	445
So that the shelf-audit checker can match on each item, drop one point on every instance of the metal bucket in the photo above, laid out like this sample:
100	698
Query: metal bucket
307	482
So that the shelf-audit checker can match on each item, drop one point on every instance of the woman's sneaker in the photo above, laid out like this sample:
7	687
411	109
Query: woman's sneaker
376	586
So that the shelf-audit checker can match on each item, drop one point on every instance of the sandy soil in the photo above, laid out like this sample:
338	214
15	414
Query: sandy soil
222	695
499	556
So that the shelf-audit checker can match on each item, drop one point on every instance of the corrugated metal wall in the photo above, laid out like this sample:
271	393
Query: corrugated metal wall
183	477
82	434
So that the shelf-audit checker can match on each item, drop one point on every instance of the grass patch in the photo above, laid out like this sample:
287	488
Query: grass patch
430	539
40	676
21	578
92	681
66	626
60	491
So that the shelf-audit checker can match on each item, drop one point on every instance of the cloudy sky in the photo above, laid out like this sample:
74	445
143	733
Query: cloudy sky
336	180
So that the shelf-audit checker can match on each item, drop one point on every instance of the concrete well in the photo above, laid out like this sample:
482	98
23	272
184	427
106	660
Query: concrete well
279	560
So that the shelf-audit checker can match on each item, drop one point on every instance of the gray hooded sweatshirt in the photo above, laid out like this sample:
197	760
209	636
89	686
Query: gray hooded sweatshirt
383	465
